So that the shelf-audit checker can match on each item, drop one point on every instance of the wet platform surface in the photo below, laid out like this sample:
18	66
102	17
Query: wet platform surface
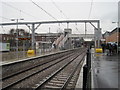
105	70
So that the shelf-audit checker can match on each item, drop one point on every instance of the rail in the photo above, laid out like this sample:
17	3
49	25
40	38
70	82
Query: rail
46	65
58	71
7	69
14	74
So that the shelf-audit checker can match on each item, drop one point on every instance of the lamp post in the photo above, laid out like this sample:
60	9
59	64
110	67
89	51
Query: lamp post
117	34
17	33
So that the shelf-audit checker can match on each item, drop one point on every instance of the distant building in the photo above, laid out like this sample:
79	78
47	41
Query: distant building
106	36
9	38
5	38
45	40
47	37
113	36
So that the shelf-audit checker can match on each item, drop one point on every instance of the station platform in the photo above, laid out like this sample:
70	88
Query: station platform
22	58
105	71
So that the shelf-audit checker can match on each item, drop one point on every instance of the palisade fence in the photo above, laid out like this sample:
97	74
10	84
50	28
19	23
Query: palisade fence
87	72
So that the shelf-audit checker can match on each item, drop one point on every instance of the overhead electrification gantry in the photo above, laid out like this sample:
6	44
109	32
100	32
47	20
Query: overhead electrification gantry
34	25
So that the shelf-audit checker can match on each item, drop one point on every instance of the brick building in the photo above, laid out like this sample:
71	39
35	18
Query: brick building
43	38
9	38
113	36
6	37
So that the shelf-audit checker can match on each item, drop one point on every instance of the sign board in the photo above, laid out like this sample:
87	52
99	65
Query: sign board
4	46
98	34
102	39
24	38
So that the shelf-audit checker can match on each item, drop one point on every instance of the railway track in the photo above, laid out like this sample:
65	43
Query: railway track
61	79
11	69
29	78
33	66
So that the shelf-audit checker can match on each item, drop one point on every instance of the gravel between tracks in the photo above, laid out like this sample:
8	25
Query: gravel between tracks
64	74
29	72
34	80
30	82
10	69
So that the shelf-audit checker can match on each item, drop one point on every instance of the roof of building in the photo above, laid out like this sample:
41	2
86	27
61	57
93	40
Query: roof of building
113	31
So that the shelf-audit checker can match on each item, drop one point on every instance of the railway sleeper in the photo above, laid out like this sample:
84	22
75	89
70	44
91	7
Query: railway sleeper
54	84
62	77
56	81
50	87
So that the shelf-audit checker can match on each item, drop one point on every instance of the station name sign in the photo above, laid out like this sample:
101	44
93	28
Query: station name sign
24	38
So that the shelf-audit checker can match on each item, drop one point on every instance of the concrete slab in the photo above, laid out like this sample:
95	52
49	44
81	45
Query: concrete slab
27	58
104	70
79	83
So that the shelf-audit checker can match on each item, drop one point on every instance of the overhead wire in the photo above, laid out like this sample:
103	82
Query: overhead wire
4	18
2	25
90	9
3	29
25	12
43	10
18	9
59	9
62	13
91	5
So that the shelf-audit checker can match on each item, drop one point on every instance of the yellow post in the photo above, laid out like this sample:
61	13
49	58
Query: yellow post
98	50
31	53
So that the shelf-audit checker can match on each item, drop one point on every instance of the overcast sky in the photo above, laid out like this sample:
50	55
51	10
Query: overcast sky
104	10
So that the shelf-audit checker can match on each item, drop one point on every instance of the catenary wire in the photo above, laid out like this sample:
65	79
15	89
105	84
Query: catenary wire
63	13
59	9
18	9
43	10
4	18
90	9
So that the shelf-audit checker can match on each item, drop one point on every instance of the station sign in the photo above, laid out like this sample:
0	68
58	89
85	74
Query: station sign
24	38
102	39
